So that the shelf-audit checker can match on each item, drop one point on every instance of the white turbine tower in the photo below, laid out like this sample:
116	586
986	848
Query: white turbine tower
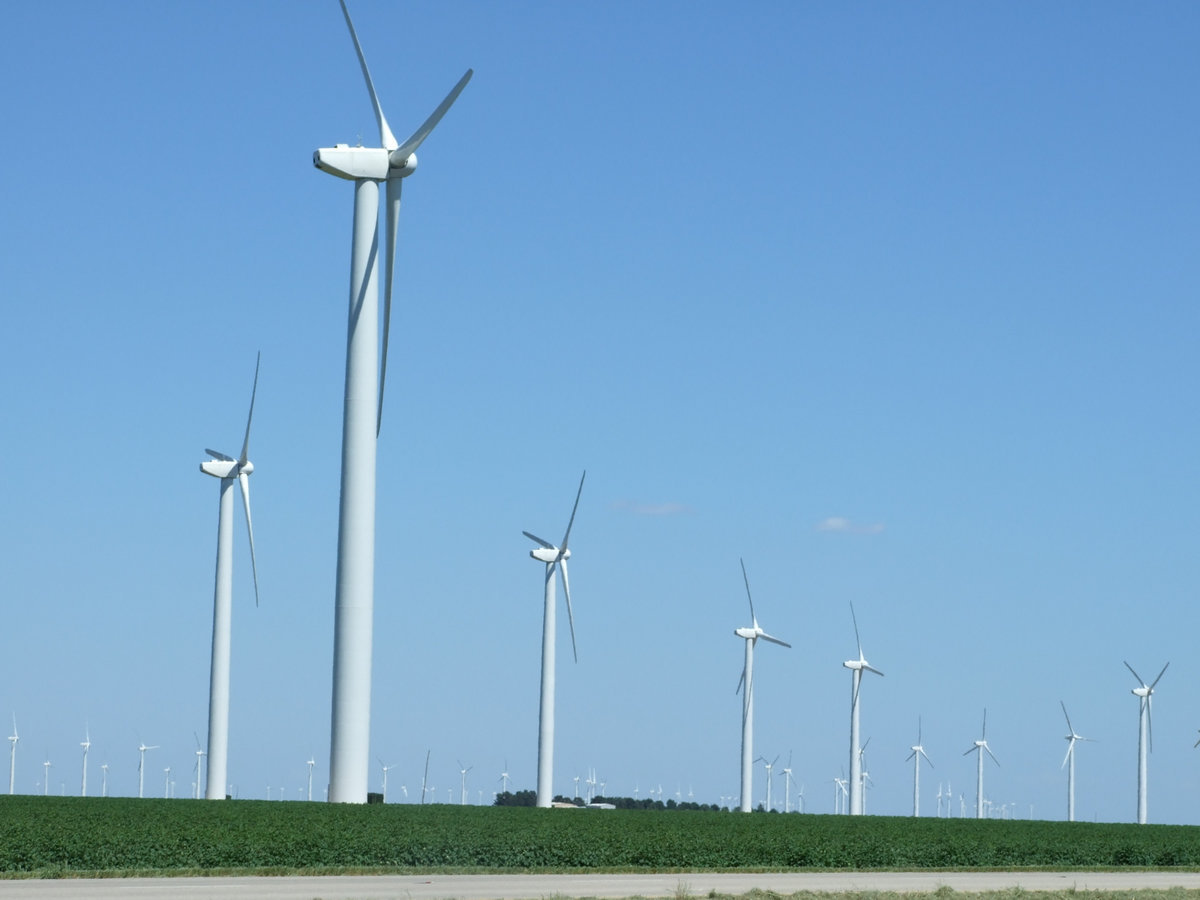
142	748
980	746
385	771
12	756
349	757
554	558
504	778
46	778
918	751
751	635
768	766
311	762
104	779
199	767
1145	735
228	470
856	667
463	772
786	772
86	744
1069	760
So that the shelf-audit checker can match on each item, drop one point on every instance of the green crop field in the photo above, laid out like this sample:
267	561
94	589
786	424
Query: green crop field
62	835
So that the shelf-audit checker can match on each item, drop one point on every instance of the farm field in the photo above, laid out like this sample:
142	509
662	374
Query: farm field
63	836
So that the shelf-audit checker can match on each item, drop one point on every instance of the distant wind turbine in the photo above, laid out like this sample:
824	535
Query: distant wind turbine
980	746
787	785
12	756
1145	735
390	163
228	470
751	635
555	558
142	748
385	771
503	779
199	767
104	779
768	766
311	762
857	667
86	743
918	751
46	778
1069	760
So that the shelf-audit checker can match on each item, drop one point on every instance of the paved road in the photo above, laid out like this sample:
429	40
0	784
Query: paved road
533	887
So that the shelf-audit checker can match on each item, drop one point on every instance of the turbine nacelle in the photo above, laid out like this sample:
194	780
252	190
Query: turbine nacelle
549	555
226	468
372	163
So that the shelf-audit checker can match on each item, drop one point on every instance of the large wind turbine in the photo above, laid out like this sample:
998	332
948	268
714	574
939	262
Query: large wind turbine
1069	759
554	558
751	635
856	667
228	470
980	746
917	752
1145	735
349	757
12	755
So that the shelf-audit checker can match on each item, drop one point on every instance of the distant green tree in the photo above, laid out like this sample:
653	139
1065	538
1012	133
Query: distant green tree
519	798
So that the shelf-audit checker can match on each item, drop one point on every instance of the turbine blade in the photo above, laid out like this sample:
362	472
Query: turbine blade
927	759
857	640
1160	675
417	137
537	540
1070	750
249	418
385	133
871	668
1064	709
991	754
244	481
221	456
570	615
1135	674
746	578
391	226
737	690
984	735
571	521
774	640
1149	722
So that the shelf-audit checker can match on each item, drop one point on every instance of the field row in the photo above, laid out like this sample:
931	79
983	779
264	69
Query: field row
54	835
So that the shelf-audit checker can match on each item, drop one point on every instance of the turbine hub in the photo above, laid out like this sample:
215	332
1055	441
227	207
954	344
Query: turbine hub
246	468
401	167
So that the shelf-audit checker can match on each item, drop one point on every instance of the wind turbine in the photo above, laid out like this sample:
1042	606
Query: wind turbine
463	771
1145	735
142	748
199	768
12	756
390	163
385	771
554	558
503	779
311	762
768	766
103	779
751	635
980	746
856	667
228	470
86	743
46	778
1070	758
917	752
786	772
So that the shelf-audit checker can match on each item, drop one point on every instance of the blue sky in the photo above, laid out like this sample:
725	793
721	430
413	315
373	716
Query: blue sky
893	301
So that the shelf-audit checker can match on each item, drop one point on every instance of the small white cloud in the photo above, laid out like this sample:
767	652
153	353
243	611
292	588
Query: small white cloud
845	526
